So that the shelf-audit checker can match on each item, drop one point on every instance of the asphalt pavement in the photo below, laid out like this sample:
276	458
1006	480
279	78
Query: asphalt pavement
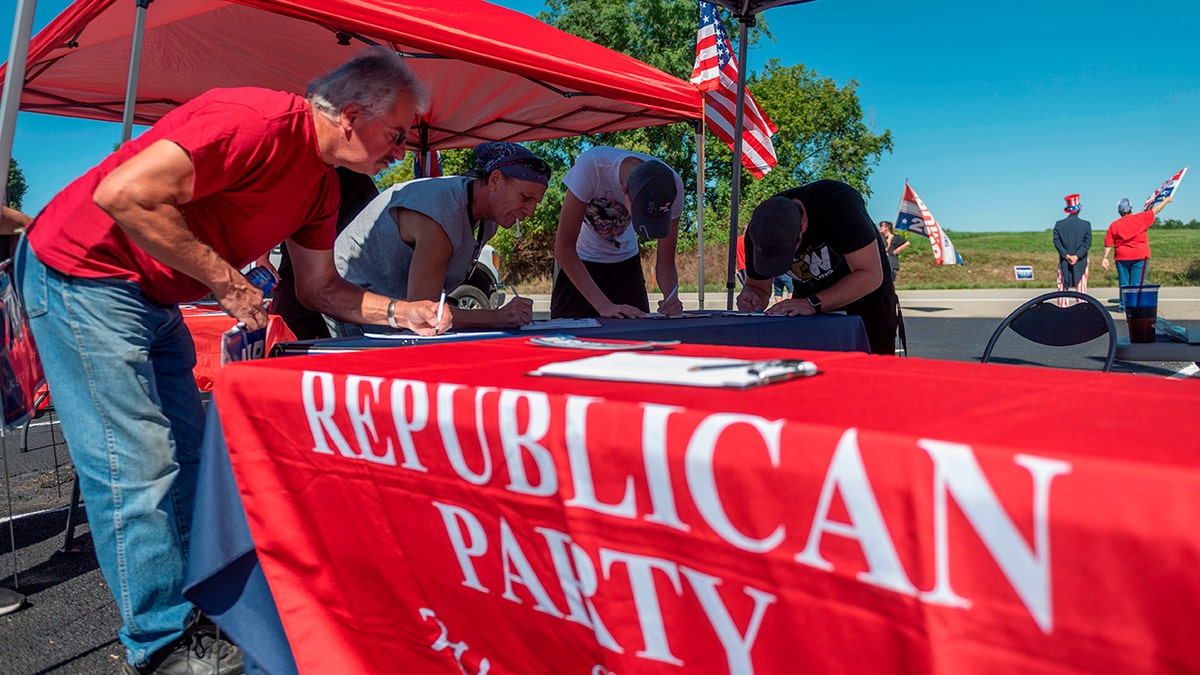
69	621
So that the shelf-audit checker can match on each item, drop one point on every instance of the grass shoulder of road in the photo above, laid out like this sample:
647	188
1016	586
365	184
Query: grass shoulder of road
989	260
990	257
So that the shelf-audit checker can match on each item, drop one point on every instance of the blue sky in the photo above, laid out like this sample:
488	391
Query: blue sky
997	110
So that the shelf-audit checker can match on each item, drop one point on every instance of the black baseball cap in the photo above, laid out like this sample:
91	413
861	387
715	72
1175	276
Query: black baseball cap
652	191
775	229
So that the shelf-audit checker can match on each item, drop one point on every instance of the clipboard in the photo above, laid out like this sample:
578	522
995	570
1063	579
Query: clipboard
688	371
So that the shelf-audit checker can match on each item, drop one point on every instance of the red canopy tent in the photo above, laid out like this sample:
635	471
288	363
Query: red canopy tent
497	74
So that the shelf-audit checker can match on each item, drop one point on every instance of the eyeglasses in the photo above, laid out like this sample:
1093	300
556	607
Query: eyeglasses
537	164
398	138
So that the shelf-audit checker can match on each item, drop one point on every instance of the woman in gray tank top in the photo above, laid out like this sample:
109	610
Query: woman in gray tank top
420	238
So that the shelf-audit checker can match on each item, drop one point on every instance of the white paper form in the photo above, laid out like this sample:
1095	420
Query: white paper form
689	371
544	324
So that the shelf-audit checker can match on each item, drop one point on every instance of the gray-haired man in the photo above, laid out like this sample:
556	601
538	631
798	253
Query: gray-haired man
168	218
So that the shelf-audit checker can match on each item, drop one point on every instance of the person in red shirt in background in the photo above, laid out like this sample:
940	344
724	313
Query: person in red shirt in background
1127	236
167	218
740	255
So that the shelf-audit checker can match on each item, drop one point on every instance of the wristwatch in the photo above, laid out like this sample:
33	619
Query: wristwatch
815	302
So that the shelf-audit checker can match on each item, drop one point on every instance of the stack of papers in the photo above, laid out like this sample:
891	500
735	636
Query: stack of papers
448	336
572	342
543	324
690	371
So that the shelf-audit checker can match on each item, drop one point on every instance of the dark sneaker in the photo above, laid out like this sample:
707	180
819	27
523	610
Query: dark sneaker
10	601
201	651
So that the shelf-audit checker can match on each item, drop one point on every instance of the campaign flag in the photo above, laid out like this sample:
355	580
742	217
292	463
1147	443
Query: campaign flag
239	344
716	73
21	376
1165	190
914	216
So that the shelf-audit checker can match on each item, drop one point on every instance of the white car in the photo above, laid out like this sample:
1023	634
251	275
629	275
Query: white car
482	288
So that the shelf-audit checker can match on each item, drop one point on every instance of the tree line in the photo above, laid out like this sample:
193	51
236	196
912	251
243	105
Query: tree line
16	185
823	132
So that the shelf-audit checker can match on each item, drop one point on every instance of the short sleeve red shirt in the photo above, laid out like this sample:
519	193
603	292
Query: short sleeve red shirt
1127	236
258	179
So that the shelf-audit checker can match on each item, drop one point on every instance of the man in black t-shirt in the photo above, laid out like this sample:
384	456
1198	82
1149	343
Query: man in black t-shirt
821	235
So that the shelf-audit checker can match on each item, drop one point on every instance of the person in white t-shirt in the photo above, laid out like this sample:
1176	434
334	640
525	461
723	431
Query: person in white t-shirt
613	196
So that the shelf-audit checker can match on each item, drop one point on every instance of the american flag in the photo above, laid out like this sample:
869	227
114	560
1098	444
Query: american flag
914	216
1165	190
716	73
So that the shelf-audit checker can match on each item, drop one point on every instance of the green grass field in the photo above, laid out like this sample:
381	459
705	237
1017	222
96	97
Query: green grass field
990	257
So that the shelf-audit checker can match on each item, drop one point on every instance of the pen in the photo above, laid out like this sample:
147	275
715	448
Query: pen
670	295
719	366
801	367
441	304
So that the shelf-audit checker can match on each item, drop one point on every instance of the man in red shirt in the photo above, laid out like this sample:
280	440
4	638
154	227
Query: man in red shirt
1127	235
165	219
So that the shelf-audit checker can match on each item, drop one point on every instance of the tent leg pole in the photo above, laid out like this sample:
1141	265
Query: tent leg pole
135	66
14	82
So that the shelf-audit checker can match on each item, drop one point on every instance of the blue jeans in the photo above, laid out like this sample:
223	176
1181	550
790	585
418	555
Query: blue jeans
119	368
1130	273
782	286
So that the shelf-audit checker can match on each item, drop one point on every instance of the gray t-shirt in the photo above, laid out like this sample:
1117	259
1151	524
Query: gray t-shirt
370	252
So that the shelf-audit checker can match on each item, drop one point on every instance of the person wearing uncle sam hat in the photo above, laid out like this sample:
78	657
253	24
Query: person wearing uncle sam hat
422	237
1072	239
821	235
613	197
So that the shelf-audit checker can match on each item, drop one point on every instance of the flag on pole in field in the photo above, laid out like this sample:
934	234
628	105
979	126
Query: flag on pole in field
716	73
913	216
1165	190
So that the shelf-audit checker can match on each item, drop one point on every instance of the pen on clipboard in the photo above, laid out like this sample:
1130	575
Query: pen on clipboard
788	366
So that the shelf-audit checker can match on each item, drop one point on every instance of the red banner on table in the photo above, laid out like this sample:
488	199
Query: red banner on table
425	510
208	325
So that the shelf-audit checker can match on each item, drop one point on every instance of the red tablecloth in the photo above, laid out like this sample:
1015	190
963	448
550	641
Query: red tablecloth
430	508
207	325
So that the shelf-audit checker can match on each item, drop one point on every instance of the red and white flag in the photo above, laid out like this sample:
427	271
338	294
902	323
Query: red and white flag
914	216
716	73
1165	190
427	164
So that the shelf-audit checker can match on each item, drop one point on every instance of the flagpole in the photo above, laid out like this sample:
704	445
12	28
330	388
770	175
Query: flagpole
700	200
744	22
900	206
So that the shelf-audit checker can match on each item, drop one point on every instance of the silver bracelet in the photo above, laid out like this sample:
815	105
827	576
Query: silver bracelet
391	313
